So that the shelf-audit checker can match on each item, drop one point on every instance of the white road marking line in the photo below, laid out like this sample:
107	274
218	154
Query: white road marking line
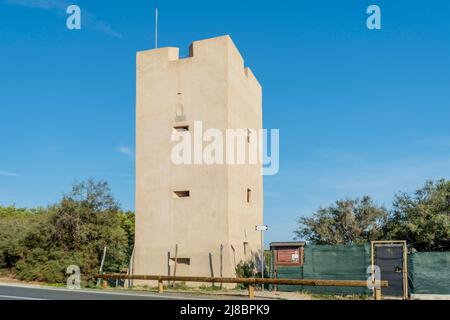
19	298
105	292
129	294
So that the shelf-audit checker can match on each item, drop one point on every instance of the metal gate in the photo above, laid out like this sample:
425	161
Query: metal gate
391	258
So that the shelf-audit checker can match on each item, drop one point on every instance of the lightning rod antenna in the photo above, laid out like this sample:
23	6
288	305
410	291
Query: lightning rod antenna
156	28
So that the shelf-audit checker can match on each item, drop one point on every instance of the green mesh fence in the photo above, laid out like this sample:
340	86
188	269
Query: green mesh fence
337	263
430	273
330	262
290	272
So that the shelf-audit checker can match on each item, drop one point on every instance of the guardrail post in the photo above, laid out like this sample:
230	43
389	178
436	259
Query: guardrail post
377	293
160	286
251	291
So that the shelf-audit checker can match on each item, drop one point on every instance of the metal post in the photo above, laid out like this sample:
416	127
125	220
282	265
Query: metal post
262	228
211	267
221	264
101	265
168	263
156	28
176	262
262	259
130	269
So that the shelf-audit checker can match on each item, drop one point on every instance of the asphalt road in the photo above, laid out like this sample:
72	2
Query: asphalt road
21	292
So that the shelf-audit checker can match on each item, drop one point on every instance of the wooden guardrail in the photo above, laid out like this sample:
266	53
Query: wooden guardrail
250	281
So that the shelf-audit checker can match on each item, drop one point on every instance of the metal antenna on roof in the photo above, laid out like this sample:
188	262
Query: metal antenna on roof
156	28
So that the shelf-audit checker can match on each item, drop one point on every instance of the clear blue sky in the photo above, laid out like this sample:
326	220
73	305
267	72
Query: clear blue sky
359	112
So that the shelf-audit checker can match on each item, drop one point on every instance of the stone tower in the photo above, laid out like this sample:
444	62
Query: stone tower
208	212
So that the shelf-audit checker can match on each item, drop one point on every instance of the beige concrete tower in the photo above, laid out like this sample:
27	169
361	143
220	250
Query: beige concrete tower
208	211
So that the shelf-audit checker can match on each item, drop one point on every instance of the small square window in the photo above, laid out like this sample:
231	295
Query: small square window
181	194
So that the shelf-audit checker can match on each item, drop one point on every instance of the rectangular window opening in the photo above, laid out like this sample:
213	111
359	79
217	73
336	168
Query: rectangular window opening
245	249
186	261
249	195
181	194
181	128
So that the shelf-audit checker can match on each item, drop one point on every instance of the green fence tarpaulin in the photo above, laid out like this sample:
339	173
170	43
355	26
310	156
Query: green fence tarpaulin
337	263
430	272
330	262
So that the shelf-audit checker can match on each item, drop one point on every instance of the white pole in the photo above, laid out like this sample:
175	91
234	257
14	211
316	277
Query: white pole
156	28
101	265
262	259
130	268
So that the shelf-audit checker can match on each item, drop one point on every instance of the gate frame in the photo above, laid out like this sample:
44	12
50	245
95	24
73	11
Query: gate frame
405	260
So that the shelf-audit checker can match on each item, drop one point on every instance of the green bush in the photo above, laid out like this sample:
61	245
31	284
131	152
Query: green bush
39	245
246	269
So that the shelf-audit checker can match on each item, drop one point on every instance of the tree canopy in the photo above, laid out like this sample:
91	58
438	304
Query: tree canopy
345	222
41	244
421	218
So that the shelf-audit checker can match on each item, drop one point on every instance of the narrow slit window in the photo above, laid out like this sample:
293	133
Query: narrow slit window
249	132
181	128
186	261
249	195
181	194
